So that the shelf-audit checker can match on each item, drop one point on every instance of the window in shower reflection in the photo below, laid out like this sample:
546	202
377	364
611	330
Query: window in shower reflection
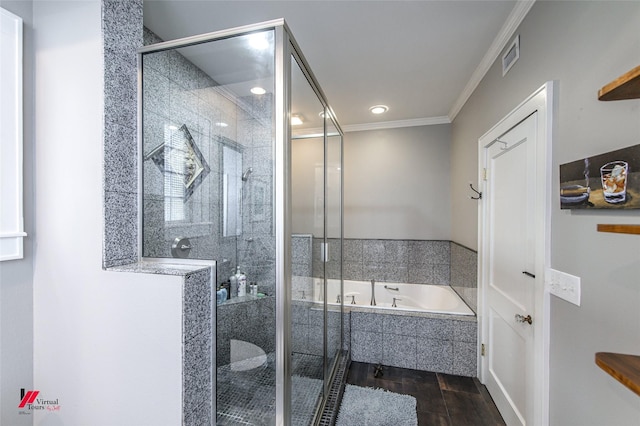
183	167
232	177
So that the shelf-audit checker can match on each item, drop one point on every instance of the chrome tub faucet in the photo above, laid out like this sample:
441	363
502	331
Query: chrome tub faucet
373	292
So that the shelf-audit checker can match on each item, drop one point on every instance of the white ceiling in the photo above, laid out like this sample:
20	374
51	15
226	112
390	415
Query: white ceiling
421	58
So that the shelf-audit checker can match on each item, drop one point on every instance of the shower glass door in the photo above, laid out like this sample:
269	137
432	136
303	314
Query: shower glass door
333	266
316	181
308	228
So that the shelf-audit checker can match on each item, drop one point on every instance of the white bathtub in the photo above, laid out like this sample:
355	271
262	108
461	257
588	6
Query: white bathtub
409	297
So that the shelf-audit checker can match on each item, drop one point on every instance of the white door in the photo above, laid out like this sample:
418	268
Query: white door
513	253
510	192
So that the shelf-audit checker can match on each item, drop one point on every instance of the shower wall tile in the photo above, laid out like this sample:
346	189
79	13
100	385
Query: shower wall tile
120	229
121	36
121	20
120	89
420	274
353	251
353	271
197	344
385	273
404	261
440	274
197	306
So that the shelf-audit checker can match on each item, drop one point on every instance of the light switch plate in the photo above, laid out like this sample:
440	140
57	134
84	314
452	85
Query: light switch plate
563	285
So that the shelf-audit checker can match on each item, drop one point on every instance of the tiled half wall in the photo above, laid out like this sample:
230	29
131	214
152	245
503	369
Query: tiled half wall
443	344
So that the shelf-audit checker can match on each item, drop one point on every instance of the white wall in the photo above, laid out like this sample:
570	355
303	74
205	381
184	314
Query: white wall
106	344
582	45
397	183
16	276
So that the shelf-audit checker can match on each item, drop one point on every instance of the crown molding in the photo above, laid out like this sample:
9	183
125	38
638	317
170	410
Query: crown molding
507	31
427	121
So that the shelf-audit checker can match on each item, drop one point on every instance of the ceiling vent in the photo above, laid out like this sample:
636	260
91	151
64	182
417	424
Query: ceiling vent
511	55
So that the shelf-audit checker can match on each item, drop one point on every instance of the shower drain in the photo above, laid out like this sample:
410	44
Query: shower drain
331	408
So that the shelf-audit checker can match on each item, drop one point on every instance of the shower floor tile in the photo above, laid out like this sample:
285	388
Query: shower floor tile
248	397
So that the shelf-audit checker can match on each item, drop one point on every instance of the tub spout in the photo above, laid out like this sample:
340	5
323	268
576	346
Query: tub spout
373	292
395	299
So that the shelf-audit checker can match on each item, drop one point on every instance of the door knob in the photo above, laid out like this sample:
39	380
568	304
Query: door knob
527	319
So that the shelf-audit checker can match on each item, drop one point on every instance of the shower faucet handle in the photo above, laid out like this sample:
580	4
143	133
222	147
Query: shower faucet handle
353	299
338	299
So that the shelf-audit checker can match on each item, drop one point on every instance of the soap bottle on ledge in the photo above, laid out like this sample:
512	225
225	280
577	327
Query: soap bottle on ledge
242	283
233	285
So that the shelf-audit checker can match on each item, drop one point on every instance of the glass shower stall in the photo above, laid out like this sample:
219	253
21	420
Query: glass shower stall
241	163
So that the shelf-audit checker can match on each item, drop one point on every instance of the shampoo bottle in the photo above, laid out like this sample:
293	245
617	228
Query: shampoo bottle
233	285
242	283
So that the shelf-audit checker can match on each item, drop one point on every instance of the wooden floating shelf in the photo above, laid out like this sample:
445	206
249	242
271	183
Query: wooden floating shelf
620	229
624	368
627	86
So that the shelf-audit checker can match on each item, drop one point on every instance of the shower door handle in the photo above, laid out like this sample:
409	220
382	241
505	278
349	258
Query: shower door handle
324	252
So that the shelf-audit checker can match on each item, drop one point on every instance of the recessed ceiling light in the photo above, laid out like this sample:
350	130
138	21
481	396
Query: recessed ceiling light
173	127
221	124
379	109
296	120
258	91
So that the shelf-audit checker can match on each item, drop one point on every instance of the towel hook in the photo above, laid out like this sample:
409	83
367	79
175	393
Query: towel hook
476	191
502	148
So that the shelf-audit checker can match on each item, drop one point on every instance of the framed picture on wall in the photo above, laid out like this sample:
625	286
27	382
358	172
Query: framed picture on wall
605	181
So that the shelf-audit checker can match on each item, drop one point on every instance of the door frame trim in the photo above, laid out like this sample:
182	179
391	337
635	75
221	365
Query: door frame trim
543	101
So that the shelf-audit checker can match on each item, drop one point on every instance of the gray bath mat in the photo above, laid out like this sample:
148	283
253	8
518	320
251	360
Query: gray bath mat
376	407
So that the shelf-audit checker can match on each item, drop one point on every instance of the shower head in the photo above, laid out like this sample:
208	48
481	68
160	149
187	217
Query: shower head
245	175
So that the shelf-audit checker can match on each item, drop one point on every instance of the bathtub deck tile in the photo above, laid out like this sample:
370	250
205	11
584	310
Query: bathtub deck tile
299	313
435	355
316	340
465	331
433	328
366	346
399	351
465	359
400	325
364	321
300	337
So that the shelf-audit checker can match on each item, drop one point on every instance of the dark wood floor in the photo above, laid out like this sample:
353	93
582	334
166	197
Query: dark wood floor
442	399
